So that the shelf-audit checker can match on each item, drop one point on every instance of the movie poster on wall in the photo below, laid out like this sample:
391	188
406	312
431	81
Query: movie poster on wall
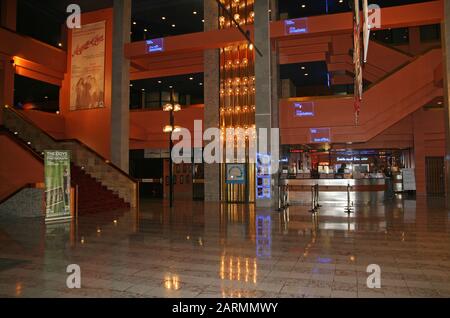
87	81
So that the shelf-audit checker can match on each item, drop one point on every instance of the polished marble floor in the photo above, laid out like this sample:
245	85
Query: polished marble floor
212	250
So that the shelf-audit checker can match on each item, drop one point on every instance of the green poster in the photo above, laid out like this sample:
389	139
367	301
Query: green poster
57	185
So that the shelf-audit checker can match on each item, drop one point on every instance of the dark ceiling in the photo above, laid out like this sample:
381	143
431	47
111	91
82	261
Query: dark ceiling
43	20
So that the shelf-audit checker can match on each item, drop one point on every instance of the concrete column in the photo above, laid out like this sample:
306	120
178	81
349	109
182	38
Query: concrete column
445	33
8	16
120	105
287	88
211	99
8	19
266	115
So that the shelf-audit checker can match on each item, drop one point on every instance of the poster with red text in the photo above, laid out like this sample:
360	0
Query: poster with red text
87	81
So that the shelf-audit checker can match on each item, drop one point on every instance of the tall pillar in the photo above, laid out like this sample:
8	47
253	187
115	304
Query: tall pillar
266	115
445	32
120	104
211	99
8	20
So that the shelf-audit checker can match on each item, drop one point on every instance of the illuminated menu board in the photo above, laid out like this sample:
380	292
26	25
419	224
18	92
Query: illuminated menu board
304	109
263	176
155	45
319	135
296	26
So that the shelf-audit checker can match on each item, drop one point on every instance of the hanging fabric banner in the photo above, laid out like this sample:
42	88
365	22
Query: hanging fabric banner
358	89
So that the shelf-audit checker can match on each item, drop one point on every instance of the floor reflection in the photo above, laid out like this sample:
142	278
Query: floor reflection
201	249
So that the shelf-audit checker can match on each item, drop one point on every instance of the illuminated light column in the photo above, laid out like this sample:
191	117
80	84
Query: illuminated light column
445	27
237	98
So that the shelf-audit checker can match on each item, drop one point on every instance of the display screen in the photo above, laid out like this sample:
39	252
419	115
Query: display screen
296	26
155	45
304	109
319	135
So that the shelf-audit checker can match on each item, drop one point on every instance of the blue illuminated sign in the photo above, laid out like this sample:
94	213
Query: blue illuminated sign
263	176
296	26
320	135
263	236
155	45
304	109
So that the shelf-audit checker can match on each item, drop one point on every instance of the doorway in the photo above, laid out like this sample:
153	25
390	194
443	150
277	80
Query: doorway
435	176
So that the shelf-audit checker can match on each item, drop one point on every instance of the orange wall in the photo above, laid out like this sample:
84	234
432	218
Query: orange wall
17	167
429	140
154	121
93	126
51	123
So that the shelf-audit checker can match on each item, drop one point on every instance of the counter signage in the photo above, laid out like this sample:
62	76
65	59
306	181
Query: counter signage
263	180
296	26
320	135
155	45
351	159
304	109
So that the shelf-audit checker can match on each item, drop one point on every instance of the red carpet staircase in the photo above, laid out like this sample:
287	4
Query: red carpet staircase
93	197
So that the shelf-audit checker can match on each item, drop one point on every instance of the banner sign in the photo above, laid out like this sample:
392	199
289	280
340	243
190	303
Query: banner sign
57	185
87	76
235	173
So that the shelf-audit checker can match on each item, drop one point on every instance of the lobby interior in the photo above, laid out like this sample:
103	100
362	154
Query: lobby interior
360	179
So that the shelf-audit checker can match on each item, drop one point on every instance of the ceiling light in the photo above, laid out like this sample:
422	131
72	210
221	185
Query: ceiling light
303	67
303	5
145	30
191	78
159	82
203	20
143	89
173	25
59	44
170	86
201	84
163	18
306	74
195	12
134	23
439	103
131	85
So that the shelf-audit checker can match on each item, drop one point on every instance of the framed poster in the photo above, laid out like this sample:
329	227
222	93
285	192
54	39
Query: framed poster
235	173
87	75
57	185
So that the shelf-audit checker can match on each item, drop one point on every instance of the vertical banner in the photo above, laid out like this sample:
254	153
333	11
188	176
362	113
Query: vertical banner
57	185
87	77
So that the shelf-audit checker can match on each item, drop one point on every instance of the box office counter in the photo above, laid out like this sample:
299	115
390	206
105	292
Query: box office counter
362	191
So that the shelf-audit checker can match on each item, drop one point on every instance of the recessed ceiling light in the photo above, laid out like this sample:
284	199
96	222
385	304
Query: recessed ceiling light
59	44
142	89
159	82
131	85
195	12
163	18
201	84
203	20
46	97
306	74
191	78
145	30
173	25
341	1
303	5
170	86
303	67
439	103
134	23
